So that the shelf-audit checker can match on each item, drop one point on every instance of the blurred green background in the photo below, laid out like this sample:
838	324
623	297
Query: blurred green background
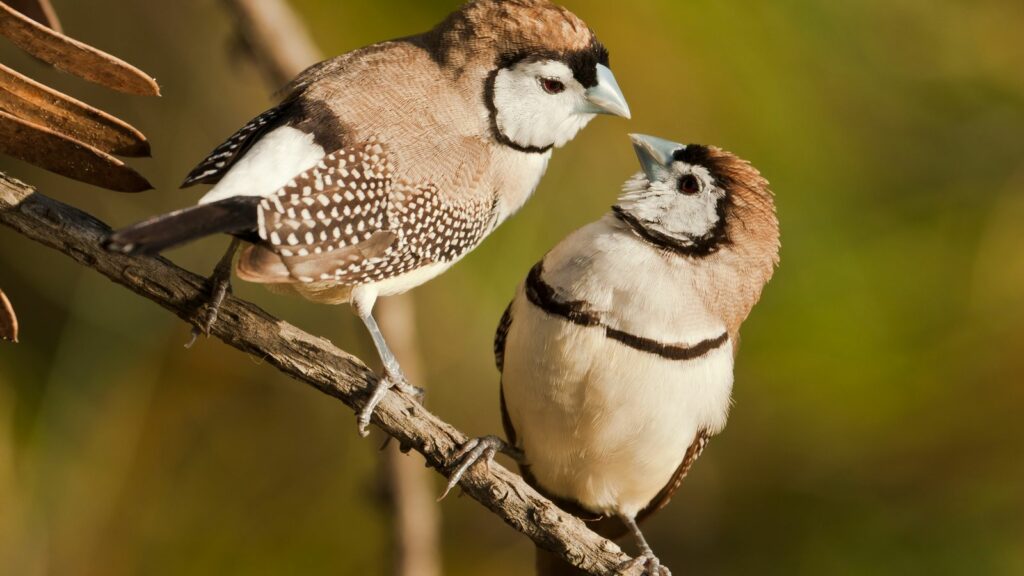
879	417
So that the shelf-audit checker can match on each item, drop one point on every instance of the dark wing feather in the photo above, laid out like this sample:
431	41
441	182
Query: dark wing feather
213	168
500	337
663	498
613	528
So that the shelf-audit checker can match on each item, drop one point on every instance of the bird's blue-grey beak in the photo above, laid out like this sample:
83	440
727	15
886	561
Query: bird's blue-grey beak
606	97
655	154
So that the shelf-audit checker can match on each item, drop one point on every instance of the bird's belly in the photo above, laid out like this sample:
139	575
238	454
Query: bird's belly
603	424
409	280
333	293
521	176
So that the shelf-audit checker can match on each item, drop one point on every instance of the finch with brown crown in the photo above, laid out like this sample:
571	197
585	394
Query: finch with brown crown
617	352
384	167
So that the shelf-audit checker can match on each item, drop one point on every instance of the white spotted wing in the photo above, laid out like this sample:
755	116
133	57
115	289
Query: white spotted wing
349	221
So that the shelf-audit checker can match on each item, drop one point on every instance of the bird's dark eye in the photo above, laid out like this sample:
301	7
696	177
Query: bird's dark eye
689	185
552	86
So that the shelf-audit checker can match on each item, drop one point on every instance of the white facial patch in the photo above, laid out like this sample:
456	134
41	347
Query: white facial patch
530	116
663	208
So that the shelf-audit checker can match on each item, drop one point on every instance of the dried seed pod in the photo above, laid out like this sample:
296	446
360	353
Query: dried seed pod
58	153
72	56
31	101
8	321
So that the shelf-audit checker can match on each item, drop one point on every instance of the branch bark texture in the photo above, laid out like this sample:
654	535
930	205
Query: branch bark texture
311	360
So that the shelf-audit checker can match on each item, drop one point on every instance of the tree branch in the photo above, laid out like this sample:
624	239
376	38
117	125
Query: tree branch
311	360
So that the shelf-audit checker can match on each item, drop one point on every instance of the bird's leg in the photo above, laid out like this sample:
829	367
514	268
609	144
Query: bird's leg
220	286
393	376
647	559
479	450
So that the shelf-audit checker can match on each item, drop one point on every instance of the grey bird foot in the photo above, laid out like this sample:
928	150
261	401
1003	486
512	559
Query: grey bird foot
652	566
391	380
220	291
477	450
409	390
220	287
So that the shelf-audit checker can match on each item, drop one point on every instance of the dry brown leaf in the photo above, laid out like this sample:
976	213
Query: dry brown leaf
39	10
58	153
73	56
30	100
8	321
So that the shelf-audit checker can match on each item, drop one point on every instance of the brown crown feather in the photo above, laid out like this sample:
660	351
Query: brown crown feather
493	28
750	214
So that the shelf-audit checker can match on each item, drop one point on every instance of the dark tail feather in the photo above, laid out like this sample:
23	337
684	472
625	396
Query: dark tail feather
231	216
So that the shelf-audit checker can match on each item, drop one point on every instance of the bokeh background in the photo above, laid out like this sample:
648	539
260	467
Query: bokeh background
879	417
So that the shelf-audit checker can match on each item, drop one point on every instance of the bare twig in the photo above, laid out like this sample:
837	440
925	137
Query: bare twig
313	361
279	43
72	56
415	516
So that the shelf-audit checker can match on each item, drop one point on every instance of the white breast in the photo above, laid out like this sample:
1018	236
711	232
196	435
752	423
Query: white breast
517	179
601	423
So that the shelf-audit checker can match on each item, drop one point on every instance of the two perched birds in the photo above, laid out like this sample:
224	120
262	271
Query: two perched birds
384	167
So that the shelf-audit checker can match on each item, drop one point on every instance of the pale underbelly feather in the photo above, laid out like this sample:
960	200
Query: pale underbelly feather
574	398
